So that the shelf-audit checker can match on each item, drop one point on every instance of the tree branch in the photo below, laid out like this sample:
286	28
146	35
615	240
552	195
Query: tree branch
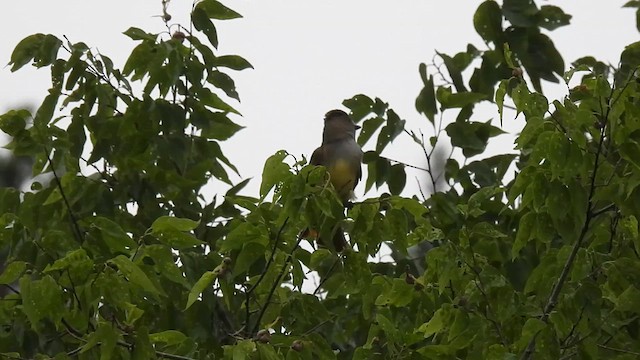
275	285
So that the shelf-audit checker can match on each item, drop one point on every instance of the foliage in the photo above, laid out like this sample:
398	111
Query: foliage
119	256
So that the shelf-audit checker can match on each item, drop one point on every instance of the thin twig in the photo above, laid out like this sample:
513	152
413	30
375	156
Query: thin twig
557	289
271	257
74	221
275	285
623	351
329	273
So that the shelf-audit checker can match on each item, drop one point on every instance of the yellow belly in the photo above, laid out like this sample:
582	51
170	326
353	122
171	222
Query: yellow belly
343	177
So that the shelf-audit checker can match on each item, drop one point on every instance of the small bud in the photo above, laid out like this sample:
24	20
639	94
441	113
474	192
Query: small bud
263	336
297	345
409	279
517	72
178	35
166	17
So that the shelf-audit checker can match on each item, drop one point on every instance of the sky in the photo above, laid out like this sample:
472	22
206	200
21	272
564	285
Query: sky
308	57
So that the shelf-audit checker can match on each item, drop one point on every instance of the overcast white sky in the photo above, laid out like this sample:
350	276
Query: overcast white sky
308	57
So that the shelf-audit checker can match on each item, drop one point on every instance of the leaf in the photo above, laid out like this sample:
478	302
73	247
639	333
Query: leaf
628	300
500	94
449	100
202	23
532	327
14	121
397	179
369	127
274	172
204	282
487	21
138	34
400	294
436	324
134	274
360	106
526	229
234	62
426	100
168	337
210	99
520	13
41	48
472	137
12	272
215	10
552	17
244	233
455	72
250	253
223	82
41	299
165	223
113	235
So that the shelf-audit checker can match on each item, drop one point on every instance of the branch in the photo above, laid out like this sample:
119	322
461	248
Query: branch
275	284
74	221
618	350
264	272
557	289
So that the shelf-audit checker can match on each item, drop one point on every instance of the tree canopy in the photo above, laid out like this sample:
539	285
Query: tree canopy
114	253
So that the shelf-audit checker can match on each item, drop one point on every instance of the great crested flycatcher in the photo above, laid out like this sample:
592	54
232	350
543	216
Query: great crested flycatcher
342	156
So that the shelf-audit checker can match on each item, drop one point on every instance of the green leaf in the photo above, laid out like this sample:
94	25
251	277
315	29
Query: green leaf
202	23
223	82
525	230
245	233
73	258
532	327
234	62
369	127
204	282
520	13
113	235
397	179
42	49
215	10
138	34
275	171
250	253
500	94
360	106
426	100
12	272
449	100
472	137
168	337
400	294
165	223
134	274
487	21
178	240
455	72
552	17
14	121
629	300
41	299
437	322
213	100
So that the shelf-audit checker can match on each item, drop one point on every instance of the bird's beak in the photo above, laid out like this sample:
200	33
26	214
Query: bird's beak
358	127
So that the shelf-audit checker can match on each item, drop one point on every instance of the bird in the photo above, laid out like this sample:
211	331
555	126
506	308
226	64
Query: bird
341	155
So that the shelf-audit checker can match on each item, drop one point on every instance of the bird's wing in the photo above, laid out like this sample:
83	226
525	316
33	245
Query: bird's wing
358	177
317	158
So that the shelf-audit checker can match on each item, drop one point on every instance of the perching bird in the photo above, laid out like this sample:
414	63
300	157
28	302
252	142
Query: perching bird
342	156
